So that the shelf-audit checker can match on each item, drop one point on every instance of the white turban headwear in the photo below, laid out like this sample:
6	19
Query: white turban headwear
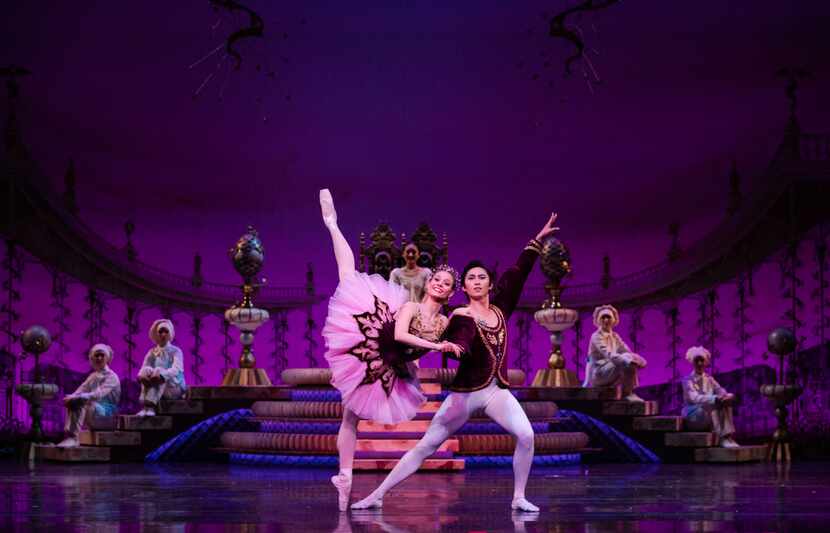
698	351
606	310
100	347
161	323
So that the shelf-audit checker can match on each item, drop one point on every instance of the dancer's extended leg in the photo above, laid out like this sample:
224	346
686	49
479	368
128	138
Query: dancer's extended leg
505	410
452	414
342	252
346	443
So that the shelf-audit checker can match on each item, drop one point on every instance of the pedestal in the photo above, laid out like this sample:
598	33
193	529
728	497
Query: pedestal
781	396
34	394
555	320
247	319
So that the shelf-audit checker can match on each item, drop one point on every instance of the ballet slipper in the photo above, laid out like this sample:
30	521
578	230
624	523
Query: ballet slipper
369	502
521	504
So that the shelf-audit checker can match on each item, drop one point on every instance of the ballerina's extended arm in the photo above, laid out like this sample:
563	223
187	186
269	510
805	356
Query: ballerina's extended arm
402	333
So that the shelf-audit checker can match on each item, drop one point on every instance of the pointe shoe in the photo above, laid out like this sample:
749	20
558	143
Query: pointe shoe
633	398
68	442
149	412
327	207
521	504
343	485
369	502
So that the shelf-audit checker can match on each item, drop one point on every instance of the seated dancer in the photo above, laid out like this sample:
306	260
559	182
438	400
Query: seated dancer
708	407
162	373
97	396
481	381
411	277
610	361
368	320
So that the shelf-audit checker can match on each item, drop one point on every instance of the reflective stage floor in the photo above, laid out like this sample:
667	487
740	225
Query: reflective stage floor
213	497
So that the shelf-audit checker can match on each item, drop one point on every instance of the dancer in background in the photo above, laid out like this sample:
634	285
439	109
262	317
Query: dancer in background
373	333
162	372
708	407
97	396
610	361
411	276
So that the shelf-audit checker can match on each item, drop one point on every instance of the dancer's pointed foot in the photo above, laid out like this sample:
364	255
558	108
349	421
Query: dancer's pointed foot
343	484
369	502
327	207
521	504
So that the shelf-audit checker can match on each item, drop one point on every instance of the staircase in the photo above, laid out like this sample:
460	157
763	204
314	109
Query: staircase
127	438
304	432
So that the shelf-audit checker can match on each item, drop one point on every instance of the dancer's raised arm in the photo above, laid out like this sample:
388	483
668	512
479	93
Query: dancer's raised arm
510	284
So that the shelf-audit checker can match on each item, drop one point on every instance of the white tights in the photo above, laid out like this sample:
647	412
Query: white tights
347	441
499	405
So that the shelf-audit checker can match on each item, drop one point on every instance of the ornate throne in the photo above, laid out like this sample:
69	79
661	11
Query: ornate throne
381	255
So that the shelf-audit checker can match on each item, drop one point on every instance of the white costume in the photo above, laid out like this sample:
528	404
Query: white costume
413	281
97	396
169	359
610	361
702	411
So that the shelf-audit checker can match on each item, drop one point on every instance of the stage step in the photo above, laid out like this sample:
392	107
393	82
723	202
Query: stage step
145	423
110	438
691	439
625	408
429	407
182	407
239	393
658	423
399	445
743	454
565	394
78	454
410	426
430	388
429	464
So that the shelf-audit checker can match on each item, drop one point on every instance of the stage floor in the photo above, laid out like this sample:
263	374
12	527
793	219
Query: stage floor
211	497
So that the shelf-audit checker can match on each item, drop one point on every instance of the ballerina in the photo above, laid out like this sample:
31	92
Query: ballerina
480	328
373	333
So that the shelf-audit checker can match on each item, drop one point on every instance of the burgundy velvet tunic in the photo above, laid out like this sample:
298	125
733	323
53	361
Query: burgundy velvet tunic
485	349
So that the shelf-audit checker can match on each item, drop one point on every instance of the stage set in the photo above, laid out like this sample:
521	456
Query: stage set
247	303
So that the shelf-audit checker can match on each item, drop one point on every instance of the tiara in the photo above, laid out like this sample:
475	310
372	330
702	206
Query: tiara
451	271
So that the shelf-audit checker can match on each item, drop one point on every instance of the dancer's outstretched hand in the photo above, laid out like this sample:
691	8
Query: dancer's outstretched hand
447	347
549	228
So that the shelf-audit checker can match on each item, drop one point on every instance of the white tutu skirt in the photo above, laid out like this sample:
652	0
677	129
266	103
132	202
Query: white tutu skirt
357	332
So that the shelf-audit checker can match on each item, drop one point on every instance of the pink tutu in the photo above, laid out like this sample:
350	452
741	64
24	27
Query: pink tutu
361	307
